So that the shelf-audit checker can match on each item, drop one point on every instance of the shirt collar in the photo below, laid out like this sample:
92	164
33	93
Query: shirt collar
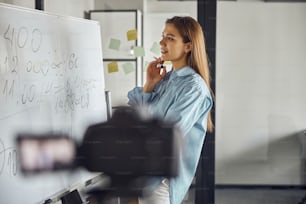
184	71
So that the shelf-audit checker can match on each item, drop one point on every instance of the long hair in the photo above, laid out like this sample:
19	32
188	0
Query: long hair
191	31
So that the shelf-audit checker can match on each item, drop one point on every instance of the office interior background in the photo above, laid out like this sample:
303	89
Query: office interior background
260	69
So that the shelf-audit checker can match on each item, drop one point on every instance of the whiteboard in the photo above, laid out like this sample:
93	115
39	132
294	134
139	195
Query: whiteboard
51	80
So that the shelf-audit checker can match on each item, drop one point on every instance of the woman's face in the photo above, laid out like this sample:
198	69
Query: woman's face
172	46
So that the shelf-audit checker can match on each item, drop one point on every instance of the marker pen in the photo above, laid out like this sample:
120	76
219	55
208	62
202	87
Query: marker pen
159	65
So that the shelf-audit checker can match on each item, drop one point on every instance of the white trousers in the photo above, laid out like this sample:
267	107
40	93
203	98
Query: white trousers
159	196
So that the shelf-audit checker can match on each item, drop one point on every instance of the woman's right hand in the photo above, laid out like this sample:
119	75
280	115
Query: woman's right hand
154	74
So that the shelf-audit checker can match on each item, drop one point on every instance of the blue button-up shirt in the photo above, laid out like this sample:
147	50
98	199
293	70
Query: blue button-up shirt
181	97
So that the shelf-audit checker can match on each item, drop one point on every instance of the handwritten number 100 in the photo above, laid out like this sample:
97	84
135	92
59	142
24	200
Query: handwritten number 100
21	36
28	94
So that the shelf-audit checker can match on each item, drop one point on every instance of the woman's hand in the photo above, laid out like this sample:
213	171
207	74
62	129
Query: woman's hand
154	75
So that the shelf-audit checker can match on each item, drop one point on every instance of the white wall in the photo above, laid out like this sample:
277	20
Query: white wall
186	7
23	3
260	91
74	8
119	4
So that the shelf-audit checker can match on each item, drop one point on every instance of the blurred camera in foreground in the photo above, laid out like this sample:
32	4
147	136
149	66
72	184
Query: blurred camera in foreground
126	145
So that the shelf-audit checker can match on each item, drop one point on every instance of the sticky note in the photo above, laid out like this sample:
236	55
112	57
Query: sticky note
139	51
155	48
128	68
112	67
131	35
114	44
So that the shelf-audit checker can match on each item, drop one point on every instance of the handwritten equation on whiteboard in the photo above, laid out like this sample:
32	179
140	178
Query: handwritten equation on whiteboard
44	72
38	69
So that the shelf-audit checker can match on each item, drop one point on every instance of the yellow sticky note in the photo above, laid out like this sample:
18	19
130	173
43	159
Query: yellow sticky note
131	35
128	68
112	67
139	51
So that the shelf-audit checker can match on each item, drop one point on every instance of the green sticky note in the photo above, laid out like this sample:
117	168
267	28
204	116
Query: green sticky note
114	44
155	48
112	67
139	51
131	35
128	68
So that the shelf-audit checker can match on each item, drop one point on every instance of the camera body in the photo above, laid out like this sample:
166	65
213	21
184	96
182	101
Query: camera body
143	149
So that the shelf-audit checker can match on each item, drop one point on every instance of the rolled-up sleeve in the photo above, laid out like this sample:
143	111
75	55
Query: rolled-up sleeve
137	97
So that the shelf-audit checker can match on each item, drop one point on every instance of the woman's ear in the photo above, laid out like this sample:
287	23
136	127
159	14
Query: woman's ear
188	47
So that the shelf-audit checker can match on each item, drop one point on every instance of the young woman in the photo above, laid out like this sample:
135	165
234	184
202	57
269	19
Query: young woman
182	96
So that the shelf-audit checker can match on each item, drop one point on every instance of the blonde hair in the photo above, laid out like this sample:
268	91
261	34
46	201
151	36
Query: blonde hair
191	31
